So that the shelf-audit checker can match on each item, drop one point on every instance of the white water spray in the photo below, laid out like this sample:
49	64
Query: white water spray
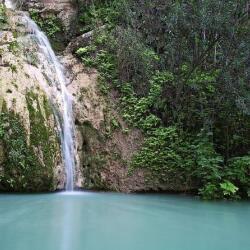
57	93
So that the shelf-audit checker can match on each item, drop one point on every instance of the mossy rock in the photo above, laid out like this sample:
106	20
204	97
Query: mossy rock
93	157
27	161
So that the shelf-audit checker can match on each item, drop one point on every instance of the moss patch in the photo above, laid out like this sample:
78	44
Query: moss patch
23	171
94	157
27	166
41	136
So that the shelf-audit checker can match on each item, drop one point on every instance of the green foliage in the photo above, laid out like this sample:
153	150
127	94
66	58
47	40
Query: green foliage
224	190
98	13
85	54
93	162
168	152
182	75
1	131
166	155
13	47
238	172
228	188
26	169
114	123
50	24
41	135
210	191
136	62
86	51
137	111
208	162
53	27
3	17
13	68
22	169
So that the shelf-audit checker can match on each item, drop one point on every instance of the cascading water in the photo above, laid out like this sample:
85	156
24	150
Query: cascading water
57	93
9	4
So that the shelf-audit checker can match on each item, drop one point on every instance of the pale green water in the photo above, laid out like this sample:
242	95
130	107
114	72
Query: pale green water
103	221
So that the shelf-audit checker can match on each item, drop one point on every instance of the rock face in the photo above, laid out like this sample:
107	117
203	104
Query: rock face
30	158
104	143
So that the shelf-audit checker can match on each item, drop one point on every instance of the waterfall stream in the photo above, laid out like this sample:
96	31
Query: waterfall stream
57	92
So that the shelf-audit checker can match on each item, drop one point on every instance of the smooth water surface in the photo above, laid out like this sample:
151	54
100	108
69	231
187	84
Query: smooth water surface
107	221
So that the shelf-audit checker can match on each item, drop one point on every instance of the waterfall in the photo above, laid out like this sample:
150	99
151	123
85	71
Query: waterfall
57	93
9	4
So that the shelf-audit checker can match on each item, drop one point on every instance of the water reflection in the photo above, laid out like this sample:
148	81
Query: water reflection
67	226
